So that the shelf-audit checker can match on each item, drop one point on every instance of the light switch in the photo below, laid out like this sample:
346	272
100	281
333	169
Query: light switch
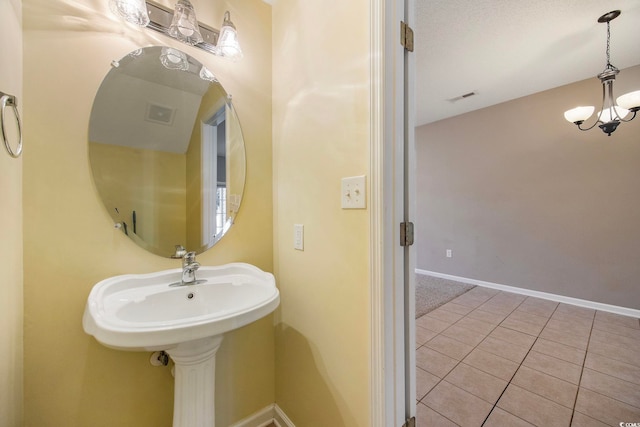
354	194
298	237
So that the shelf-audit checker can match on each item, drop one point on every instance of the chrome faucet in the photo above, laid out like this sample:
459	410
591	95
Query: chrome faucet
189	268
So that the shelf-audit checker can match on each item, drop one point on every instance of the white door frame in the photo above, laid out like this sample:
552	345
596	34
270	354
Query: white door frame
392	308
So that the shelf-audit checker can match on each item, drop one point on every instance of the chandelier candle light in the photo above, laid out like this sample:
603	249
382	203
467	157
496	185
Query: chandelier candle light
611	113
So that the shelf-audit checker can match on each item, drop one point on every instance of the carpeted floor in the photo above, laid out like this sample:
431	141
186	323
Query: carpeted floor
432	292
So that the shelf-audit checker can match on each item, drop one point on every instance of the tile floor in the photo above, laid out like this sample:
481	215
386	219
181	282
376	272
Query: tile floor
496	359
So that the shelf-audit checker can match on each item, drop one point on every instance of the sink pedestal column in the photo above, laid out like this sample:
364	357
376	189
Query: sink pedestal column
195	373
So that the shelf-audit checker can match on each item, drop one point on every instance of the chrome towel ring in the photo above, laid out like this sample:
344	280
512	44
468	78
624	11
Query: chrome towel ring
7	100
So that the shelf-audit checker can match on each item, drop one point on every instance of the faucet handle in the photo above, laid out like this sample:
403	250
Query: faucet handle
189	257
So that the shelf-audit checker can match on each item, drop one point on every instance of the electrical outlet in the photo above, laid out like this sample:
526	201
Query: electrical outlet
449	253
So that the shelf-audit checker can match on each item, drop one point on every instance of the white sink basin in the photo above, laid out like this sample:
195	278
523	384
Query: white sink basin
142	312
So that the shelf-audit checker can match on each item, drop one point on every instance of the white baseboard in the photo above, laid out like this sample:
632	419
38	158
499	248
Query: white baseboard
281	419
624	311
266	416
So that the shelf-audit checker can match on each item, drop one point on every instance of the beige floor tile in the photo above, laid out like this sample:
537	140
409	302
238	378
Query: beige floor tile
564	338
498	308
425	381
485	316
614	328
581	420
571	319
491	364
612	387
582	331
427	417
630	322
605	409
457	308
574	310
501	418
543	310
552	366
445	315
501	348
476	325
423	335
533	408
514	337
615	368
560	351
432	324
458	405
479	383
614	339
521	326
544	385
523	316
433	362
464	335
612	350
548	305
481	292
470	300
449	347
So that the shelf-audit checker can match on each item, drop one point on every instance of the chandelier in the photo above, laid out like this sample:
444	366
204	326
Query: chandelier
611	113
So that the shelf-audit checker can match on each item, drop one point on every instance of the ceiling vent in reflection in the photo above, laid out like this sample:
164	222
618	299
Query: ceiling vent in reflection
461	97
159	114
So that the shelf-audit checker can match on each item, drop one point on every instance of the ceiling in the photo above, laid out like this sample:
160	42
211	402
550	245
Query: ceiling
506	49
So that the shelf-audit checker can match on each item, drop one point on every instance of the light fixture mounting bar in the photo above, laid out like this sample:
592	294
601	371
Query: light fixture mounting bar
160	18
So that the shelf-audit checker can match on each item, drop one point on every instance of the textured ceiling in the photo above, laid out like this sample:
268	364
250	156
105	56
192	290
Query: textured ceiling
506	49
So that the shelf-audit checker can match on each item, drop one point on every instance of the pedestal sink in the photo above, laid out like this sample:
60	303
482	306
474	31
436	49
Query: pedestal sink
142	312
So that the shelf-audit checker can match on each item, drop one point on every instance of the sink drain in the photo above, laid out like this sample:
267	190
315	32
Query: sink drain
190	295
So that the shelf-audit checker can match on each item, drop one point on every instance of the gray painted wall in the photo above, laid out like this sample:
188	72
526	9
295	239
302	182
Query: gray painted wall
522	198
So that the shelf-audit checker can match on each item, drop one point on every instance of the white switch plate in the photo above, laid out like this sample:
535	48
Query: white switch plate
449	253
298	237
354	195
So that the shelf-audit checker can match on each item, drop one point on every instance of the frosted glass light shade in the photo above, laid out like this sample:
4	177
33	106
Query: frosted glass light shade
579	114
184	25
608	114
629	100
228	45
134	11
173	59
205	74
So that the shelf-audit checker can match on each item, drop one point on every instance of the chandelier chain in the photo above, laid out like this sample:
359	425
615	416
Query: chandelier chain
609	66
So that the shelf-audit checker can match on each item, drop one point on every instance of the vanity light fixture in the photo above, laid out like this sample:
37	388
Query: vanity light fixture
134	11
228	45
182	25
611	113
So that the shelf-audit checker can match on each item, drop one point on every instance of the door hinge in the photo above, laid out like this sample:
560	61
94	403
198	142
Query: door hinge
406	36
411	422
406	233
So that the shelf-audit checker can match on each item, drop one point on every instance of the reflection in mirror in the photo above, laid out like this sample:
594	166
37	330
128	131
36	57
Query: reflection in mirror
166	151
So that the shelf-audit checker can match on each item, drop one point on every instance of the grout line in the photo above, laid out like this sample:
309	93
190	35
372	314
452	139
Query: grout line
575	400
520	365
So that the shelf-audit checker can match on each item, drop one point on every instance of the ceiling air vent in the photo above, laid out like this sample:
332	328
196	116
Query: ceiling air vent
461	97
159	114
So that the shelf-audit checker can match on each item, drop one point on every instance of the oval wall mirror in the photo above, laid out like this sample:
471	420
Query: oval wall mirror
166	151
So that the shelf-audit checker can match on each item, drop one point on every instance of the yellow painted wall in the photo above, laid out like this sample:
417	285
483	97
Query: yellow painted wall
134	179
70	243
321	134
11	276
